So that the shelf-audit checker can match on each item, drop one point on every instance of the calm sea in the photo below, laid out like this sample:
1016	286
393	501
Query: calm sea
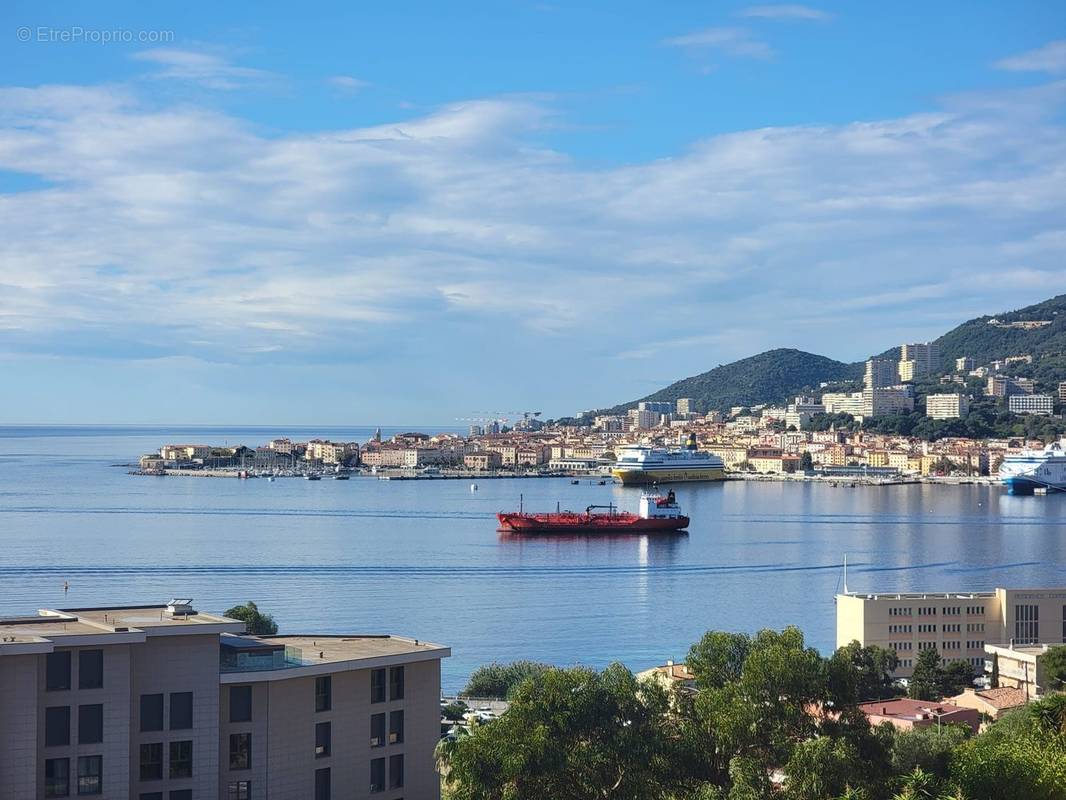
423	558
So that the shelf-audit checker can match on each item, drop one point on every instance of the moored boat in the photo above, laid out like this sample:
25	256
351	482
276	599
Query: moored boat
644	465
1032	470
658	514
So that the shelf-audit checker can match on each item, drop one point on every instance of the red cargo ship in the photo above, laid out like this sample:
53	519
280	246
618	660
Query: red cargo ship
658	514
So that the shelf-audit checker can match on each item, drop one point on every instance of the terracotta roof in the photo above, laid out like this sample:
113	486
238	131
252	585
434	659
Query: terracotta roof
1003	697
677	672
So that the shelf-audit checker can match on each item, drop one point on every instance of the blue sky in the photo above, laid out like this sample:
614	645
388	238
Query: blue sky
405	213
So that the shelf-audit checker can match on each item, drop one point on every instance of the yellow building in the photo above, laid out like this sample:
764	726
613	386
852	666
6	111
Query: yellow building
958	625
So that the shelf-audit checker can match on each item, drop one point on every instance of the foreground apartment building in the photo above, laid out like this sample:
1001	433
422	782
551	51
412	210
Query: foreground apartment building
960	625
166	703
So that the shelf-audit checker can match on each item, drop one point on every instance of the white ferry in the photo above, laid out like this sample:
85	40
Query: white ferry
641	465
1029	470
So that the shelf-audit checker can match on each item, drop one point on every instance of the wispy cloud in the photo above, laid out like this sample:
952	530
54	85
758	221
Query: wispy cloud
206	69
162	226
1050	58
785	12
348	83
732	41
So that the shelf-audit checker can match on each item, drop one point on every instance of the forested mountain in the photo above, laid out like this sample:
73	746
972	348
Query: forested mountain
773	376
777	375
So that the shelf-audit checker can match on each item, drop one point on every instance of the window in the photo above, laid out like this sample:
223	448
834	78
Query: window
91	724
323	693
57	671
180	710
57	777
323	784
90	669
152	761
150	796
90	774
239	790
240	751
151	712
240	704
377	730
57	726
322	739
396	727
377	775
377	686
1026	624
181	759
396	771
396	683
180	794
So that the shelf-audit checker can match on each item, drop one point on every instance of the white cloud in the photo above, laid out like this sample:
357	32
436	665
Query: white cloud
208	70
161	228
786	11
348	83
1049	58
732	41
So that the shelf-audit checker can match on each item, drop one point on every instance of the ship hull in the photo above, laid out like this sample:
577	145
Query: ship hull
596	524
643	477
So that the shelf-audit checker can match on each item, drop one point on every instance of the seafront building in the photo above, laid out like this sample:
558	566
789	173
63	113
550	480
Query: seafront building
154	702
959	625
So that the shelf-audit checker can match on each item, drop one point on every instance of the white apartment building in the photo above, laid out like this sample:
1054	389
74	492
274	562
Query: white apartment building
880	372
946	406
1042	404
919	359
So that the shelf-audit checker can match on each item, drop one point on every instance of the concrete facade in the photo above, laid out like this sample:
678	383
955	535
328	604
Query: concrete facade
958	625
135	703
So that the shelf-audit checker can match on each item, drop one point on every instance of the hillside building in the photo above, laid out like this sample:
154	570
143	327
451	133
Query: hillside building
918	360
880	372
1041	404
946	406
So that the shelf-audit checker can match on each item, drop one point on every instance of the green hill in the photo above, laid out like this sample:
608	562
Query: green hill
777	375
770	377
984	342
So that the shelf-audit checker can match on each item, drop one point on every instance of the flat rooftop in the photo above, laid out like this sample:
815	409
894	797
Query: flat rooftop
323	649
920	595
145	617
33	628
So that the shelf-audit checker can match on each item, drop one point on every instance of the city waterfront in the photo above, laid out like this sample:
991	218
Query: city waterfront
423	557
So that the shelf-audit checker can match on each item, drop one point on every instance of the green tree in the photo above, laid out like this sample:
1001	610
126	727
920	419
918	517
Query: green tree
718	658
255	620
500	680
1020	756
569	734
1055	668
954	677
925	680
806	461
927	749
822	767
860	673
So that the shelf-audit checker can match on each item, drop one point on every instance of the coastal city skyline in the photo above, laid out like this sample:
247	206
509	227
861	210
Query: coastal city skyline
239	222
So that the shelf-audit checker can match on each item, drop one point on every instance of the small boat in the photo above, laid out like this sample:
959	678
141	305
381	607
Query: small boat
312	477
340	477
574	482
658	514
270	478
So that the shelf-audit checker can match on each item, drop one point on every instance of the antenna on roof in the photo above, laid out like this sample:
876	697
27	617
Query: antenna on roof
845	573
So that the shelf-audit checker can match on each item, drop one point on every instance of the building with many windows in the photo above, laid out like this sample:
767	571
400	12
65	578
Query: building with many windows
946	406
1043	404
957	624
880	372
166	703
